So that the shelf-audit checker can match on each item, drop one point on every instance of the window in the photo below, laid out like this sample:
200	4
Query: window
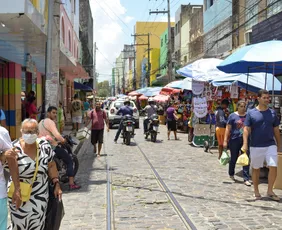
63	30
69	40
274	7
185	59
165	38
74	6
250	20
162	42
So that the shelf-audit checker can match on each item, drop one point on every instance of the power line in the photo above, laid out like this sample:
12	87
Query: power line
105	58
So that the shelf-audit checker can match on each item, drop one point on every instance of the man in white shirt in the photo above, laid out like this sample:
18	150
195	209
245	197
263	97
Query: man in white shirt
8	154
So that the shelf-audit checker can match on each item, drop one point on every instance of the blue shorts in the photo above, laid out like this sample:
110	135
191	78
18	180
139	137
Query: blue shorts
3	214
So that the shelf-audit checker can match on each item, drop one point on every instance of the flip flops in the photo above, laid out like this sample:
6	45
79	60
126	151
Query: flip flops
273	197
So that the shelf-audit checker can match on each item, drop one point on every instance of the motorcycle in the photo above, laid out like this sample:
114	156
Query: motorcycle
128	129
153	128
61	166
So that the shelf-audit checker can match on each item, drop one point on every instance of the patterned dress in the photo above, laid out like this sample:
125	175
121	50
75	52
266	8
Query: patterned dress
31	215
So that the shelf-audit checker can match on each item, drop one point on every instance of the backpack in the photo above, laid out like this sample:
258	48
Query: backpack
76	106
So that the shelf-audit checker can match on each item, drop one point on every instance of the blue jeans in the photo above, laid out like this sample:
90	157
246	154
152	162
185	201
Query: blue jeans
119	130
3	214
66	158
235	147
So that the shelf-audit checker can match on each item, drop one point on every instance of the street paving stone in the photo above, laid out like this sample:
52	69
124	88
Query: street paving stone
200	185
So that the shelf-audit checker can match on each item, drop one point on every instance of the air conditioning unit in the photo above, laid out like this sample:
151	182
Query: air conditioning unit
248	37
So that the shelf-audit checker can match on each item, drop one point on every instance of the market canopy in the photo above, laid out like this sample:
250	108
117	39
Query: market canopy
175	84
202	70
252	82
260	57
161	98
79	86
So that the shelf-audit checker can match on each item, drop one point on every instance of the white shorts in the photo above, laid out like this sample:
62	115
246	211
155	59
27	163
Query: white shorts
259	155
77	119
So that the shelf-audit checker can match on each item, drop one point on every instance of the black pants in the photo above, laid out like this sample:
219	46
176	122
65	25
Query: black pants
65	157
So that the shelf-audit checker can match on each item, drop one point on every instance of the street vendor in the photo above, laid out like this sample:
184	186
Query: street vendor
221	115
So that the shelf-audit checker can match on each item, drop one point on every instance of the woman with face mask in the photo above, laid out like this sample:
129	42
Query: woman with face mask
36	166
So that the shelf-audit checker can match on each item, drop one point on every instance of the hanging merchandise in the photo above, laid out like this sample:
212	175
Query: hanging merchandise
200	107
198	87
219	94
208	92
234	92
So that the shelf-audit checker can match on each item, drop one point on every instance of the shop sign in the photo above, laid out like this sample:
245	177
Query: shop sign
198	87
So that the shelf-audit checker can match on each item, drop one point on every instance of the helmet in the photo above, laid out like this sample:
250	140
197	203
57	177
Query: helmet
126	102
151	100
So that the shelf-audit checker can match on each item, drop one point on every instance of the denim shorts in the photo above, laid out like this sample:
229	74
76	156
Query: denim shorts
3	214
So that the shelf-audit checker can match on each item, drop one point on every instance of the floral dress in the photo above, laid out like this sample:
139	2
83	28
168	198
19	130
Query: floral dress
32	214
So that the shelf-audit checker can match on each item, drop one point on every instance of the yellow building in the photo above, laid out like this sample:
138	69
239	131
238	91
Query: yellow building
155	63
155	29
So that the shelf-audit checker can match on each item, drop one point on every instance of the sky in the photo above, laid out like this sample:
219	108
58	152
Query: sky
114	22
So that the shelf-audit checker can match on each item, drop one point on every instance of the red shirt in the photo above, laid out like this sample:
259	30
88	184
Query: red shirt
98	117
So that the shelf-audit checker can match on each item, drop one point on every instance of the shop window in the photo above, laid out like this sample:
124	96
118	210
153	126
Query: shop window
274	7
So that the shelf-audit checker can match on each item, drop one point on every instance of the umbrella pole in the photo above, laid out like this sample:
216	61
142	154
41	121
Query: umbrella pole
265	76
273	85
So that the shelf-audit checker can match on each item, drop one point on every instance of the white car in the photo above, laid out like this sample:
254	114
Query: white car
115	119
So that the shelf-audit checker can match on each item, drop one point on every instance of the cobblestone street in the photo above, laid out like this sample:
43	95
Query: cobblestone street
197	181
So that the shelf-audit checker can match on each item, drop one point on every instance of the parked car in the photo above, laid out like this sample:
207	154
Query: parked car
115	119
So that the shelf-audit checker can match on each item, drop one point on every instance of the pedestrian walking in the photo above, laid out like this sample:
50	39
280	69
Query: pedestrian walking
98	117
234	138
8	155
221	120
36	167
76	113
171	118
262	124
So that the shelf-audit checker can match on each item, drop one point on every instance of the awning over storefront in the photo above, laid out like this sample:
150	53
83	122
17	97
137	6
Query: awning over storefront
79	86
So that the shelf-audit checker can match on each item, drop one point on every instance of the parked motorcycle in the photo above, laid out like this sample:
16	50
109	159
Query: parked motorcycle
153	128
128	129
61	166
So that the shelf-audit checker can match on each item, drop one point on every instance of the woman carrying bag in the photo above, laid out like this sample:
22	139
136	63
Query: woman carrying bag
234	137
36	168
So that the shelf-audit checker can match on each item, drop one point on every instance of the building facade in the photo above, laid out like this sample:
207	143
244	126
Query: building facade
155	29
23	37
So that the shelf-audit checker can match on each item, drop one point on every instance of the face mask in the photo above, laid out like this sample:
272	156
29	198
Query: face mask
29	138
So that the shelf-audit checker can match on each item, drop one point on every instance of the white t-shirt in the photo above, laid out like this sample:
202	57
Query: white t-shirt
5	144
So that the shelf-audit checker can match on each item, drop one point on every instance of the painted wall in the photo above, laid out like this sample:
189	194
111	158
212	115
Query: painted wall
68	35
163	53
216	14
155	28
184	45
155	63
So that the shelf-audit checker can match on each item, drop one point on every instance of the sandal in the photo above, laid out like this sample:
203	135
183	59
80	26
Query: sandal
257	197
273	197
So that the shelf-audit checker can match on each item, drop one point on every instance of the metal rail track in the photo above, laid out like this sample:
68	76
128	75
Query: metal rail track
180	211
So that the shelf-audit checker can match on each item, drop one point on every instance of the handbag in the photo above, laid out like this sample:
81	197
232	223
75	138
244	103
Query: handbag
243	160
26	188
55	211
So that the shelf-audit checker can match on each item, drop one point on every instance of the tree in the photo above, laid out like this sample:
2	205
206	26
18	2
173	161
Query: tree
104	89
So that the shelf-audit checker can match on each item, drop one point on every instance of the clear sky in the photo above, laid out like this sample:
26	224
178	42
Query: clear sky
114	21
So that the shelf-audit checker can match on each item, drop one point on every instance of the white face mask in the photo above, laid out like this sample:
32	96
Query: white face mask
29	138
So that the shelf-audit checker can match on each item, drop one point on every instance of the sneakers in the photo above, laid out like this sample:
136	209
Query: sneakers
74	187
247	183
232	178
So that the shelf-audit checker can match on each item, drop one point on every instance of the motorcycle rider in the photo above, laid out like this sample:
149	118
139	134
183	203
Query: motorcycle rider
150	110
124	110
48	129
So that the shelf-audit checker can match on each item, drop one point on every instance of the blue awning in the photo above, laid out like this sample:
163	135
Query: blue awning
79	86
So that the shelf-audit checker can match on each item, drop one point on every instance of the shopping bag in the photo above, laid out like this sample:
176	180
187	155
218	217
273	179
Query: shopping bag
243	160
225	158
55	211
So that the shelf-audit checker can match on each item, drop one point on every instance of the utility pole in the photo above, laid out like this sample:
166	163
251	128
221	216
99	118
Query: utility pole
169	52
148	50
52	57
94	75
